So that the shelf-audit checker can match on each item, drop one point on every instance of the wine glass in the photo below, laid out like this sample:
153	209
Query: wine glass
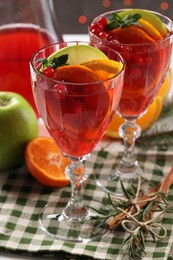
146	68
77	116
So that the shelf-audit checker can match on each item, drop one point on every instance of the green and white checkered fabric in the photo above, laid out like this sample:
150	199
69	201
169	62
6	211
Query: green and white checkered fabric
22	198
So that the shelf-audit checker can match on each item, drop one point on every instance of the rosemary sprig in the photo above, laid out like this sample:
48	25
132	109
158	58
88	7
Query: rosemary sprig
137	215
55	62
116	21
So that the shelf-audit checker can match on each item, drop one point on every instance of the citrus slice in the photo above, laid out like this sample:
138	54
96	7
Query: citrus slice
145	122
149	17
151	116
45	162
78	54
131	34
75	74
150	29
166	86
104	68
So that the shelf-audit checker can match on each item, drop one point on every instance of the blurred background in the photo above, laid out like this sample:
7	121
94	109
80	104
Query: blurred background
75	15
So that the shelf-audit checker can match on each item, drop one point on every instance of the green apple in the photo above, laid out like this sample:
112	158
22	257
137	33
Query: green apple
78	54
18	125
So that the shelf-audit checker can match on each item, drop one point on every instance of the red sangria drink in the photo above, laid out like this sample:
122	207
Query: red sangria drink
144	39
77	88
25	27
17	45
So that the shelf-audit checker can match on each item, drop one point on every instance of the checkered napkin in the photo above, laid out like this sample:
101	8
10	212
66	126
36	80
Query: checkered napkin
22	198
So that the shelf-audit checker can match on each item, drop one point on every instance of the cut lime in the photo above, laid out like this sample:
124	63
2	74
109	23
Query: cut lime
149	17
78	54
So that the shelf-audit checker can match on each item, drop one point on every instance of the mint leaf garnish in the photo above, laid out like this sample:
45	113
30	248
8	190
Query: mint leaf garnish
116	21
55	62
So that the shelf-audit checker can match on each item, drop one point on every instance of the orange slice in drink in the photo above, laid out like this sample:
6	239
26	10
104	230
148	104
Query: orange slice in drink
150	29
166	86
145	122
46	163
131	35
90	71
104	68
75	74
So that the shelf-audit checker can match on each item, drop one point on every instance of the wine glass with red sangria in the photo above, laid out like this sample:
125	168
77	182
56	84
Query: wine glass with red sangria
77	88
144	39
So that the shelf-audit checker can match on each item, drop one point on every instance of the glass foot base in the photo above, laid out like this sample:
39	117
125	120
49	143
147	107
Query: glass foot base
111	182
56	226
114	186
107	180
126	171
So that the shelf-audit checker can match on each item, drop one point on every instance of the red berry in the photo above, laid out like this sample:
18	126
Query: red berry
102	22
61	88
103	35
48	71
94	26
96	32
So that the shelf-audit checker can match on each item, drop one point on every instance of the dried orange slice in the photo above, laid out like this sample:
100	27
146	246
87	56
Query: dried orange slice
146	121
45	162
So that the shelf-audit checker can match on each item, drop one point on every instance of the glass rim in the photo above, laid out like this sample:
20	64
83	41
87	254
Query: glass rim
135	44
33	61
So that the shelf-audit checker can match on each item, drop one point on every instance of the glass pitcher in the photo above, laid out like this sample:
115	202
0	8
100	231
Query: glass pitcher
25	27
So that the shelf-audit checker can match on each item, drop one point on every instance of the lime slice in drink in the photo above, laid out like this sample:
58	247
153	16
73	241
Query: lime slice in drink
78	54
149	17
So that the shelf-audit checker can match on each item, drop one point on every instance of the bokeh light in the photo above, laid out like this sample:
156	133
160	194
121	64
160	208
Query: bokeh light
106	3
82	19
127	2
164	6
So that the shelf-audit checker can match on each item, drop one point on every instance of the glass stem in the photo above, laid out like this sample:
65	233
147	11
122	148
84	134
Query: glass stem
129	131
76	210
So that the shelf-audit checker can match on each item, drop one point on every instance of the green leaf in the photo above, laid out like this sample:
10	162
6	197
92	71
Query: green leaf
124	190
142	240
164	198
148	208
109	196
153	236
101	212
60	61
44	61
55	62
116	21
